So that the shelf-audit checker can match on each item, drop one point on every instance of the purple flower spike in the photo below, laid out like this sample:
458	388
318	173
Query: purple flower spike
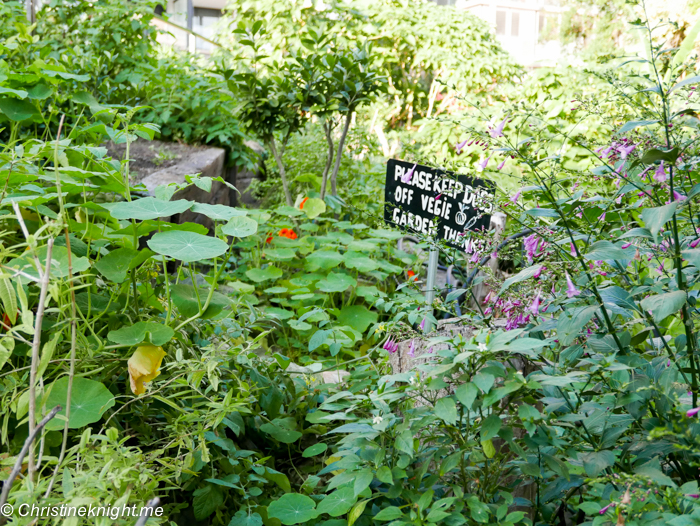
412	349
539	272
573	250
422	324
678	196
503	162
660	173
515	198
693	495
571	290
460	146
693	412
626	150
391	346
626	245
602	512
406	178
695	243
481	165
535	307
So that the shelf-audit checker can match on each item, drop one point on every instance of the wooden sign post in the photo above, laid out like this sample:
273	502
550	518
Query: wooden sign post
436	203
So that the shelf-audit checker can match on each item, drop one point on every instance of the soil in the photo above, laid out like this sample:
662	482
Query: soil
148	157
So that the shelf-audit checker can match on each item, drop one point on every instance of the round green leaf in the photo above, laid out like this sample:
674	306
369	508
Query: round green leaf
358	317
314	207
264	274
336	282
217	212
187	246
17	110
359	261
314	450
323	259
89	401
146	208
283	434
240	226
338	503
185	299
143	331
292	508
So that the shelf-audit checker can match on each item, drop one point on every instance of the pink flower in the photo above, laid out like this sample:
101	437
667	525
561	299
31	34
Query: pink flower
573	250
488	311
503	162
481	165
695	243
391	346
693	412
437	197
406	178
660	173
412	349
571	290
626	150
535	307
602	217
626	245
539	272
498	130
515	198
422	324
487	298
459	146
602	512
693	495
678	196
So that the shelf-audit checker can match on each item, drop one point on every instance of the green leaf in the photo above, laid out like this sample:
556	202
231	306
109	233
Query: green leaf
359	261
280	254
404	442
19	93
146	208
358	317
323	260
337	503
445	409
484	381
89	401
655	475
356	511
314	450
281	432
292	508
478	510
597	461
388	514
187	246
605	250
259	274
362	481
663	305
143	331
59	263
520	276
384	475
9	299
16	109
488	448
571	322
655	155
336	282
206	501
314	207
185	299
116	265
693	256
240	226
217	212
278	478
244	517
631	125
655	218
466	394
490	427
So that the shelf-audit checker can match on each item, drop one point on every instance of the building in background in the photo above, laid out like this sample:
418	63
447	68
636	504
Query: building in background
197	16
527	29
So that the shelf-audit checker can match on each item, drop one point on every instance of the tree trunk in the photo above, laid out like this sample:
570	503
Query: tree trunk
283	173
329	159
339	155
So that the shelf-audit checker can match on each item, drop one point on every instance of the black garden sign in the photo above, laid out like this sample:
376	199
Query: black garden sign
436	202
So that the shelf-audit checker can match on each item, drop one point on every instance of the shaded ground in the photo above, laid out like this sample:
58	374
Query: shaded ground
148	157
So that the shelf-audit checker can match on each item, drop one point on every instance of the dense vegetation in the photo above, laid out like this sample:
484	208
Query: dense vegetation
201	365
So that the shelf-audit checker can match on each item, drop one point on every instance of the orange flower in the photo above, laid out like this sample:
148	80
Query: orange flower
292	234
269	239
288	233
301	205
412	275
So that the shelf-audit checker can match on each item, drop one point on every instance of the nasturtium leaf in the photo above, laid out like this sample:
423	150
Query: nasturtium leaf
336	282
146	208
89	401
217	212
264	274
115	265
358	317
187	246
314	207
240	226
280	254
16	109
280	314
359	261
292	508
446	410
40	92
337	503
143	331
314	450
323	259
663	305
59	263
246	518
389	513
185	299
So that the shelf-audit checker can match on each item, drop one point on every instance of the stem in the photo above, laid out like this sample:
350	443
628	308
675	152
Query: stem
44	281
283	173
339	155
329	158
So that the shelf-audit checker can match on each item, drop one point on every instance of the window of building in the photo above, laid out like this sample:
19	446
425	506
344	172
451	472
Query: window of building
514	23
500	22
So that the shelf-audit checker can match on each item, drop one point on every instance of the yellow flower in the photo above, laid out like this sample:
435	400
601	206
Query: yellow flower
143	366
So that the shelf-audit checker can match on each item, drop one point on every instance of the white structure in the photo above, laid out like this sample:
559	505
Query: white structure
198	16
527	29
